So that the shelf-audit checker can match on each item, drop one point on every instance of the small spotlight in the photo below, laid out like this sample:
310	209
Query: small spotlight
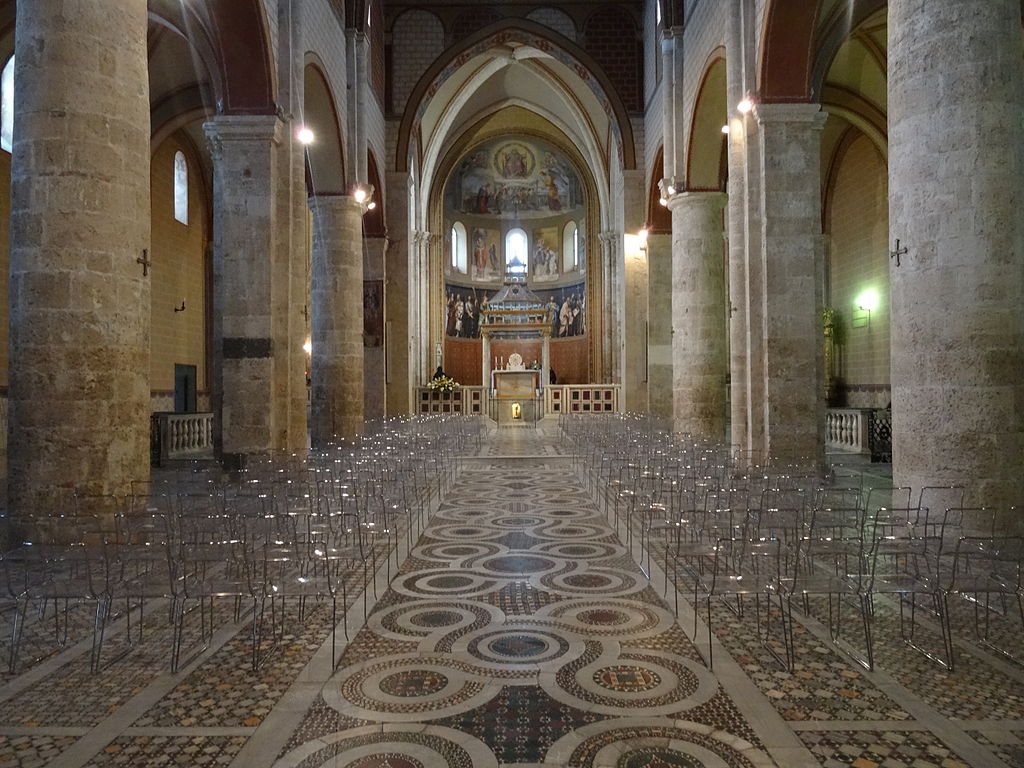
360	195
725	129
671	190
305	135
643	235
662	201
745	106
371	205
308	347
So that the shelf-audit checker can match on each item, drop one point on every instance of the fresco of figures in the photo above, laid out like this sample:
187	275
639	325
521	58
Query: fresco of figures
567	310
520	179
462	310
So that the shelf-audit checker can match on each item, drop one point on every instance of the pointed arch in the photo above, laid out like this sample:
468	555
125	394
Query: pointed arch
787	51
706	159
500	34
325	157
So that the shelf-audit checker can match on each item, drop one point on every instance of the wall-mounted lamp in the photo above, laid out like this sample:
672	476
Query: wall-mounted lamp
305	135
865	303
308	347
725	129
643	238
362	194
181	308
663	201
746	105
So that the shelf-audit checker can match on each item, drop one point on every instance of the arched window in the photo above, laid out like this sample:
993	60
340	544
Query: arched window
516	252
7	106
460	245
180	187
570	247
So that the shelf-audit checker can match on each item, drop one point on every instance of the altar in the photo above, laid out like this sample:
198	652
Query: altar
515	313
516	384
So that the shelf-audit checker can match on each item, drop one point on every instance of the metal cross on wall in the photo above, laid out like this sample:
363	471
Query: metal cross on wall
895	254
145	262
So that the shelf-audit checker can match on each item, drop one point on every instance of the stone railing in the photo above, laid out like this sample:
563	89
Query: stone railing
846	429
467	400
582	398
183	435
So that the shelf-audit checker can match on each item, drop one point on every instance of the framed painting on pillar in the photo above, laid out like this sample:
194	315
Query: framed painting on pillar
373	313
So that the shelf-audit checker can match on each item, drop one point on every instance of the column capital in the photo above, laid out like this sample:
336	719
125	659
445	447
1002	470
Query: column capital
244	128
334	203
791	113
709	199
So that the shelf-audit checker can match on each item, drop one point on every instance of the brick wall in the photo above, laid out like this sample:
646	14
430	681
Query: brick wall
179	272
611	37
325	37
417	38
554	19
858	229
468	22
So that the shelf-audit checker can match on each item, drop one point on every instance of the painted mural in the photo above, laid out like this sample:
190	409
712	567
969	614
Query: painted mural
462	310
520	178
567	310
485	254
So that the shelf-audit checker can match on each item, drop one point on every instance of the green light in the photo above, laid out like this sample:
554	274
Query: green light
867	300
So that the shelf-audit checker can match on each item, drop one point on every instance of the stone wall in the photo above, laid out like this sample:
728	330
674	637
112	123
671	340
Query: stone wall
417	38
858	226
179	273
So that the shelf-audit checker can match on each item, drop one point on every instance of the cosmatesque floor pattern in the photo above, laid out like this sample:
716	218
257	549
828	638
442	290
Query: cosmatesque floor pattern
518	632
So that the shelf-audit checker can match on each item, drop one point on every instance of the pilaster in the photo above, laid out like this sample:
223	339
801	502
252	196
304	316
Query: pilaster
791	266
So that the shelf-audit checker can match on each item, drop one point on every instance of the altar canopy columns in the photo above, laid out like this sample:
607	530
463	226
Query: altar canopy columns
79	239
791	285
337	318
956	191
699	358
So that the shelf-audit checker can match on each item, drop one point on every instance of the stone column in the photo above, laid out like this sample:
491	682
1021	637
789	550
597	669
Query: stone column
247	383
485	359
337	318
80	233
659	335
398	295
956	190
739	396
699	356
792	269
545	362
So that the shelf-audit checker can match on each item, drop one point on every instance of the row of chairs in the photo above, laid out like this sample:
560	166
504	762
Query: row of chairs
730	527
307	529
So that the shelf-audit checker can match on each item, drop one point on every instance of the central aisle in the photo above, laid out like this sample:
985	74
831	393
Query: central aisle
520	633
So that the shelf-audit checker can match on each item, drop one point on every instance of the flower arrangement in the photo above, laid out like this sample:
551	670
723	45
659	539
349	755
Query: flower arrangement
442	384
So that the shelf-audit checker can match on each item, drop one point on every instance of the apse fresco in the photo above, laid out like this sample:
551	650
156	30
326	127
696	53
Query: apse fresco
567	310
462	316
520	178
544	256
485	262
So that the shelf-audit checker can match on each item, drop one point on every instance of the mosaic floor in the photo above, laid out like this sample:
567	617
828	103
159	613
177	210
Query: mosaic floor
518	633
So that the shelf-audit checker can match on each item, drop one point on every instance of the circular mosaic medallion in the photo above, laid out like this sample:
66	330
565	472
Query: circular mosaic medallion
518	646
413	682
450	582
459	551
516	521
435	619
587	580
658	758
518	564
580	550
387	760
627	679
602	617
